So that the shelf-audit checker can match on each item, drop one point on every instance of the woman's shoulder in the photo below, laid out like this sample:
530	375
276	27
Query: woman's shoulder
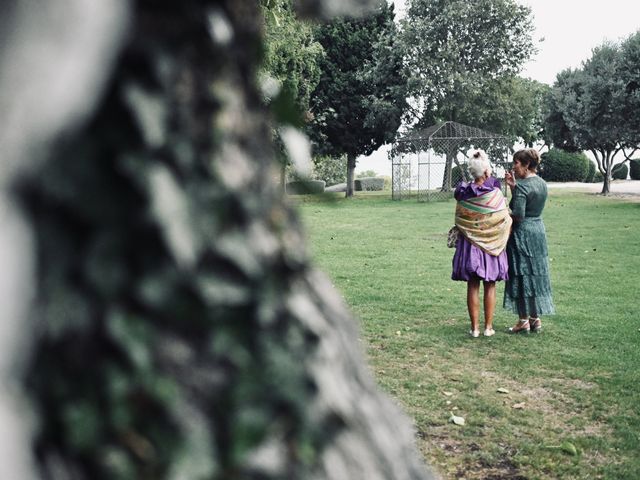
531	183
492	182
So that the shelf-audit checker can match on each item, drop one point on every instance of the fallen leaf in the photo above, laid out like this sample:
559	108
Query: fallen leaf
502	390
518	406
455	419
566	446
570	448
447	394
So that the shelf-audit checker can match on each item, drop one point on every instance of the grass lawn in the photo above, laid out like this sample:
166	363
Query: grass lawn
577	384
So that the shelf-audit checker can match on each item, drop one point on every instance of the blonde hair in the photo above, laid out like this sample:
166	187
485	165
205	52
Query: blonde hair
478	163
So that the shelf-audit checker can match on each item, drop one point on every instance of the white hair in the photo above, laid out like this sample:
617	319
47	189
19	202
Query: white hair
478	163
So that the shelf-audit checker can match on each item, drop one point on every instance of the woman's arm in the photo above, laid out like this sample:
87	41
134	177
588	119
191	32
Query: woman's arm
518	202
460	187
511	180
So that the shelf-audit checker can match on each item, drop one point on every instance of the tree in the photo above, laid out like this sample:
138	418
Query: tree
291	53
290	69
629	72
510	105
589	109
359	102
463	58
454	48
179	328
556	132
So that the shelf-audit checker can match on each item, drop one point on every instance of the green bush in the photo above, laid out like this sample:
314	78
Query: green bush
561	166
634	169
591	172
332	170
456	174
301	187
598	177
620	171
369	184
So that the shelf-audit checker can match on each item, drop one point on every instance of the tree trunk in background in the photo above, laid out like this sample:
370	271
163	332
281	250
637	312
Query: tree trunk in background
351	168
448	169
607	162
180	331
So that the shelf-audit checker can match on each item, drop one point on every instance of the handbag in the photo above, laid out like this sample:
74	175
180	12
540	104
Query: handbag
452	236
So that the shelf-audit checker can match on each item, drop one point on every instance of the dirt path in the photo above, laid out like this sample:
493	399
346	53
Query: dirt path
618	188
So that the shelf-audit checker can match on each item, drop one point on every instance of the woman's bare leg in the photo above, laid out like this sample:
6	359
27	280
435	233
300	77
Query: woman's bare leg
473	302
489	304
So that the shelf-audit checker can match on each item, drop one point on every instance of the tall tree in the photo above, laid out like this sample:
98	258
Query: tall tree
453	48
180	330
590	102
291	53
463	57
556	132
629	72
360	100
290	70
509	105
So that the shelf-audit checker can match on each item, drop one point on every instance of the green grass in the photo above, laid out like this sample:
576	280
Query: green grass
579	380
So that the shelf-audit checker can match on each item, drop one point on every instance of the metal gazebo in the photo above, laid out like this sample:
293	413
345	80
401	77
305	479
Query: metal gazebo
428	163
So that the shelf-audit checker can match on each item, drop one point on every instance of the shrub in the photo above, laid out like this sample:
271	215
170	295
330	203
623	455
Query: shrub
456	174
590	172
634	169
598	177
332	170
369	184
300	187
387	181
562	166
620	171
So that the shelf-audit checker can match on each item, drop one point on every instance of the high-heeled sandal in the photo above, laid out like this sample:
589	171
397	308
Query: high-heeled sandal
535	324
520	327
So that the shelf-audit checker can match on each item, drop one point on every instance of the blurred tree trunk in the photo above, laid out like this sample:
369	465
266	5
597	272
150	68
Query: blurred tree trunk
180	331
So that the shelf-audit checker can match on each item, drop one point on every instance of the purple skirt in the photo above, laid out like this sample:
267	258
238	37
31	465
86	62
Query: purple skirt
471	262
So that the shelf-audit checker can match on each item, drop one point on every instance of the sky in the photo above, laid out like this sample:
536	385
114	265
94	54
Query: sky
569	30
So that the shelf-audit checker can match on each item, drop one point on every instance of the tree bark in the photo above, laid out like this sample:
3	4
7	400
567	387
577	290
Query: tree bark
351	167
179	328
607	164
448	170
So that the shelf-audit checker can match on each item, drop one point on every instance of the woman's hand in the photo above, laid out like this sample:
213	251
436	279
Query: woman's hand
510	179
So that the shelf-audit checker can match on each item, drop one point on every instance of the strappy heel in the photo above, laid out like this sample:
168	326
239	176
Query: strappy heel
520	327
535	324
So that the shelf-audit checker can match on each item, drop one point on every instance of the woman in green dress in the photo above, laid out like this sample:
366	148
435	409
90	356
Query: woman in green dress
528	289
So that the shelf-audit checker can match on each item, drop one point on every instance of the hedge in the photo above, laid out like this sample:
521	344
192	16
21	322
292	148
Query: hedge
561	166
620	171
634	170
369	184
300	187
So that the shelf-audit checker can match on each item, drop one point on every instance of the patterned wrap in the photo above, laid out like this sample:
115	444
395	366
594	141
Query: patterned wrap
485	221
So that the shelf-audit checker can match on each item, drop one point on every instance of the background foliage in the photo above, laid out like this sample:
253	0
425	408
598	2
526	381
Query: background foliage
561	166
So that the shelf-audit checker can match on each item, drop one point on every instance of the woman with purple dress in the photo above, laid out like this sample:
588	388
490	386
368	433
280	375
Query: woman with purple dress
483	220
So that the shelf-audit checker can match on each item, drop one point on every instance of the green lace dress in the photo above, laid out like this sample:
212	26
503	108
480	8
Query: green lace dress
528	289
